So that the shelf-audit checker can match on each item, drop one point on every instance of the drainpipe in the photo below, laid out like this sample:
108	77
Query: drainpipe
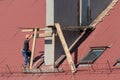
80	11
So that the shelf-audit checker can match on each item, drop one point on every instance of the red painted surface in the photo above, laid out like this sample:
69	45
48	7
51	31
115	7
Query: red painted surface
30	13
14	14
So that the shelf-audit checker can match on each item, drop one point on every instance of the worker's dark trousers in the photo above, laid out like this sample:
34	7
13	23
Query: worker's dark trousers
26	60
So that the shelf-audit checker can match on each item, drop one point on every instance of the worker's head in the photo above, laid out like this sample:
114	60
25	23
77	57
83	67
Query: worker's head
27	36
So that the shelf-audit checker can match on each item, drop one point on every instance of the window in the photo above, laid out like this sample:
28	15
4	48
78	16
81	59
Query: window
117	62
92	55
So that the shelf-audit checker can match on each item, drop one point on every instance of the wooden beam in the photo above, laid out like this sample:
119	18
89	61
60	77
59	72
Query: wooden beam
27	30
65	47
44	29
38	63
103	13
33	48
45	35
32	29
76	41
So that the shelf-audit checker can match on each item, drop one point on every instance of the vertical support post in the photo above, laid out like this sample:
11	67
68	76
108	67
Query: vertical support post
33	48
65	47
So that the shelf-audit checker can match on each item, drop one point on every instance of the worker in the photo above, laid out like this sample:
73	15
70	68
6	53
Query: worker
26	49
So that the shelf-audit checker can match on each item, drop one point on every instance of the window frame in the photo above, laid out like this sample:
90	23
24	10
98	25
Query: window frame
84	61
117	62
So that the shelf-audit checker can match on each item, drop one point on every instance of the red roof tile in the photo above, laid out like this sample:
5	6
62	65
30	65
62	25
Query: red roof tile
106	34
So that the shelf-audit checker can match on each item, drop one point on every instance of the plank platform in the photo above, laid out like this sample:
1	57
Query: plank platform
43	70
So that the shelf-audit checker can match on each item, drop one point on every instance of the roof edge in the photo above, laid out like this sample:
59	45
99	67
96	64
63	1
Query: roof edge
103	14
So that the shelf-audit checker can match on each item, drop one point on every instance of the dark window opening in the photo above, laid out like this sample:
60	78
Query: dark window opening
94	54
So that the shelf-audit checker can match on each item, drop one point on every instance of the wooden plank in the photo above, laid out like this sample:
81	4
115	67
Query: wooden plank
65	47
33	48
103	14
45	35
27	30
44	29
38	63
60	60
32	29
76	41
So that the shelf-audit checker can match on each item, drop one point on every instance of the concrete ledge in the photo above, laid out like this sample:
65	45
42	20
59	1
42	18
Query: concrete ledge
43	70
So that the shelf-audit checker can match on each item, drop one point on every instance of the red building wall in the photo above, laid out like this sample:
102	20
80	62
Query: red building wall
14	14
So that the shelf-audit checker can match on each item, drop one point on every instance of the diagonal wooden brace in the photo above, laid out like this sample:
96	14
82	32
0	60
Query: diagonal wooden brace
65	47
